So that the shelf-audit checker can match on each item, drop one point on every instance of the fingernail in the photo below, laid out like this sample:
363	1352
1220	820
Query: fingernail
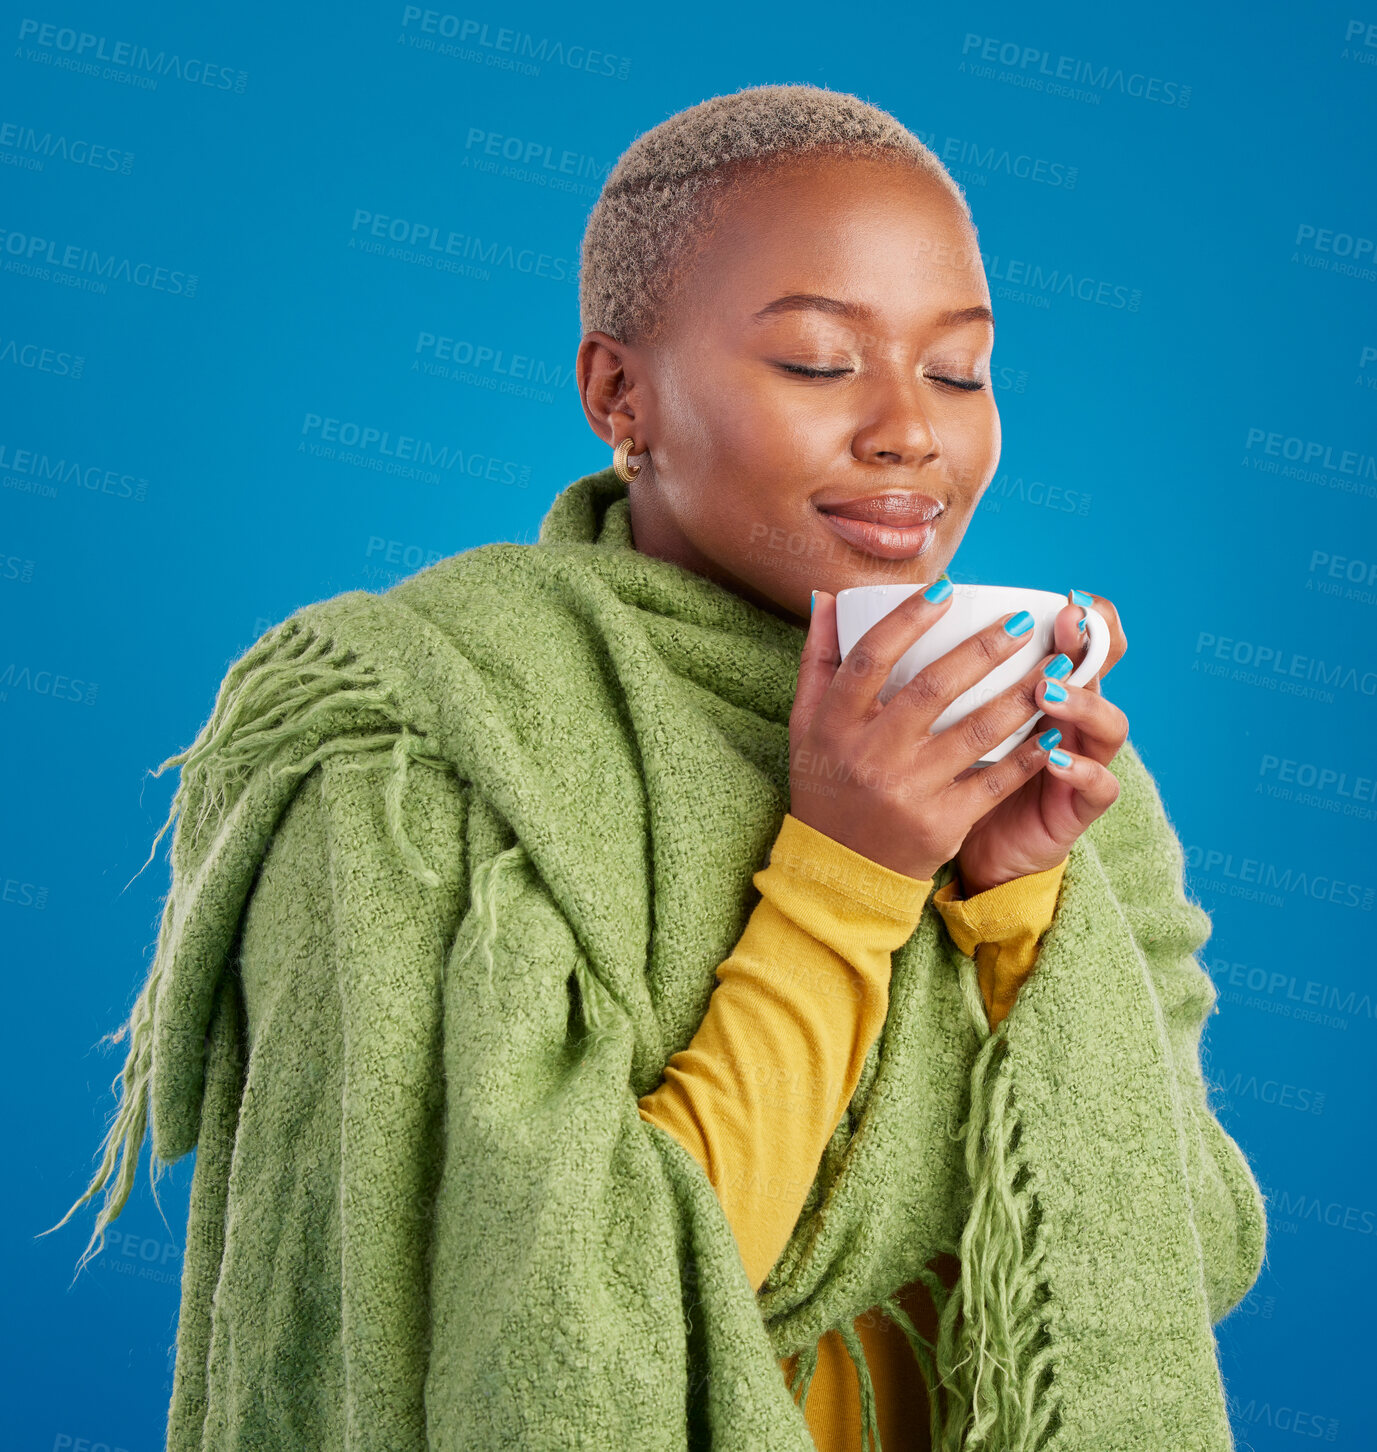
1079	597
1080	624
1055	669
1053	691
1059	758
1021	624
812	602
1049	739
938	590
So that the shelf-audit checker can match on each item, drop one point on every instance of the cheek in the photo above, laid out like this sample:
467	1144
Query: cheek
974	439
704	420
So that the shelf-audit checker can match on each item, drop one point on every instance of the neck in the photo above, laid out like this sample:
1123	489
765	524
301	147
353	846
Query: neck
653	533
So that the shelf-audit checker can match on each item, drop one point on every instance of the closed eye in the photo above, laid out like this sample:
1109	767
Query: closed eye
966	385
805	372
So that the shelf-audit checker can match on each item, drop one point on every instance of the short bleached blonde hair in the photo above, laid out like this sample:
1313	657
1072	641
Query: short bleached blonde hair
658	202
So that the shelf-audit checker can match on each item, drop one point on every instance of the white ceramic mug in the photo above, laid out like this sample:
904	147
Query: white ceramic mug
972	608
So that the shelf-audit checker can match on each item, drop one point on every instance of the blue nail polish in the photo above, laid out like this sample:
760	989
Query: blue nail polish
1059	758
813	602
1055	669
1021	624
1054	691
1079	597
1080	624
1049	739
938	590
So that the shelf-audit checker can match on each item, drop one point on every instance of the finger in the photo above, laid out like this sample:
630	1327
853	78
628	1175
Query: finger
959	746
1095	787
914	709
1100	727
818	664
855	688
1068	631
1071	641
986	787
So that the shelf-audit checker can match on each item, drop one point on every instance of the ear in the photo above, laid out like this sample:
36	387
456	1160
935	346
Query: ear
609	374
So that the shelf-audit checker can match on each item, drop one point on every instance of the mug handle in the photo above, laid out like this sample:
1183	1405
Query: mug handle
1100	639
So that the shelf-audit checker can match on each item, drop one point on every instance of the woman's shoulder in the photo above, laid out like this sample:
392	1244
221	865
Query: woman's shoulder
490	645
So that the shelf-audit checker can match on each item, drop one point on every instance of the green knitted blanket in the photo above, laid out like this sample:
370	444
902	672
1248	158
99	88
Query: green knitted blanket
452	872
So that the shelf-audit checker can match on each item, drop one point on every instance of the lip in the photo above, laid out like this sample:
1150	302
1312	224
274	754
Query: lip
897	508
884	541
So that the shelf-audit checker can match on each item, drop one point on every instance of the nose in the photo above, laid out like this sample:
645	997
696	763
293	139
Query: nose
899	429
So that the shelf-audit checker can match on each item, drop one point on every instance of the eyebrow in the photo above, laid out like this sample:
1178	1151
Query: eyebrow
794	302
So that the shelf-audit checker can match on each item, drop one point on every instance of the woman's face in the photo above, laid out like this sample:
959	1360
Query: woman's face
860	268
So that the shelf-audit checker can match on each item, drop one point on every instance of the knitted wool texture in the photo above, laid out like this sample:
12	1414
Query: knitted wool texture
452	872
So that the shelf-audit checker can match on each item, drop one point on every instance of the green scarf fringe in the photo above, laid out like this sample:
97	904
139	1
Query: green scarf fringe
989	1375
993	1357
272	698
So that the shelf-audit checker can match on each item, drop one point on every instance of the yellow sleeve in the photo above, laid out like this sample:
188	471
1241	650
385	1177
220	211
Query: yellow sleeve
1000	928
763	1084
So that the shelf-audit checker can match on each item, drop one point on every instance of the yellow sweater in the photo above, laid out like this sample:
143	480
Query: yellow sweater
759	1091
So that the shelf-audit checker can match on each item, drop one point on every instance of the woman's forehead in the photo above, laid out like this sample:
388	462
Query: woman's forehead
826	248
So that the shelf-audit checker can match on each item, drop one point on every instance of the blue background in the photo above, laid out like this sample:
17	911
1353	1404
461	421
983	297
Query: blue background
1197	446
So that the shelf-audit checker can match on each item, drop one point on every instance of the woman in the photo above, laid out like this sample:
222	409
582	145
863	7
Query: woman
531	1110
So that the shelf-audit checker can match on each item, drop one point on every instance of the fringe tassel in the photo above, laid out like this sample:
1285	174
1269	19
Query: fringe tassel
870	1420
126	1131
993	1356
804	1368
923	1350
270	695
483	903
273	694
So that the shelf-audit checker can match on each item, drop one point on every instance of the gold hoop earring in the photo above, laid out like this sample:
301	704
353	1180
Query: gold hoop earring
619	462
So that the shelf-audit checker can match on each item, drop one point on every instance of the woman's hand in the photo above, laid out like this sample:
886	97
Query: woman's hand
1033	828
876	779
